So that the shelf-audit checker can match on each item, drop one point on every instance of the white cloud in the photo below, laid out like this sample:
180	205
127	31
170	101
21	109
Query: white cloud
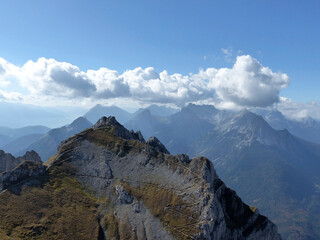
246	84
5	69
53	78
11	96
298	111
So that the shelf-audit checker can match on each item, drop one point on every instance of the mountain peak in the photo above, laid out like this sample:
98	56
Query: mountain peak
80	121
106	121
146	112
95	113
155	143
120	130
245	117
251	127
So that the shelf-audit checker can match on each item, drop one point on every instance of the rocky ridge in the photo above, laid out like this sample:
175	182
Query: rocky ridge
129	188
9	162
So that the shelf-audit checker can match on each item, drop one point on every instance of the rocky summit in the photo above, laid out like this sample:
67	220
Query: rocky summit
109	183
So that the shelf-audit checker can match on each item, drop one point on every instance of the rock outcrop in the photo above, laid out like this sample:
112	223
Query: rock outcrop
154	142
126	188
23	172
9	162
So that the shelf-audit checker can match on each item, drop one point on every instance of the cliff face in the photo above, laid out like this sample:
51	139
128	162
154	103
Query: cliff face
108	183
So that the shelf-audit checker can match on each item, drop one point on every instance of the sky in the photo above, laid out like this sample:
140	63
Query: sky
234	54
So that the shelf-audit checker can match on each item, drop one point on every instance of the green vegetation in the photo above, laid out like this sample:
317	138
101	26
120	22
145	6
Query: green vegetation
252	208
111	224
56	208
106	137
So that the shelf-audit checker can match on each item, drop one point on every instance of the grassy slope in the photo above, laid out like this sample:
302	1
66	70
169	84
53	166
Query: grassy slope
57	208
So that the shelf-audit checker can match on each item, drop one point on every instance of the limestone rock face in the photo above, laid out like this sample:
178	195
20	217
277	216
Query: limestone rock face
136	190
123	196
147	188
26	170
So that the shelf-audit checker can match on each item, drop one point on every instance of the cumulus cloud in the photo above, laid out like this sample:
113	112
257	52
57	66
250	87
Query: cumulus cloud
246	84
53	78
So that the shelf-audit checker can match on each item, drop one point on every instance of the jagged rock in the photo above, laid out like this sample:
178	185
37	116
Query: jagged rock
119	129
23	172
123	196
9	162
157	145
184	158
31	156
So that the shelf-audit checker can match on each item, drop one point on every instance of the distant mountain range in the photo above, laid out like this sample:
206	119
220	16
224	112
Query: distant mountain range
266	158
95	113
8	135
271	169
308	129
47	145
177	131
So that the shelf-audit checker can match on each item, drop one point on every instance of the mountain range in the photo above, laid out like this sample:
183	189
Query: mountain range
7	135
268	166
272	169
109	183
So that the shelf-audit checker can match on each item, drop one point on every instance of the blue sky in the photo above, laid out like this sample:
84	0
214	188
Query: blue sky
177	36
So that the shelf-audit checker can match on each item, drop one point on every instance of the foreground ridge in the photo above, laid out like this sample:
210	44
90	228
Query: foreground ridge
109	183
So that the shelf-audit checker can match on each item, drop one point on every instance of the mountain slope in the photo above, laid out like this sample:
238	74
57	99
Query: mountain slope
19	132
8	135
209	113
16	146
270	169
48	144
108	183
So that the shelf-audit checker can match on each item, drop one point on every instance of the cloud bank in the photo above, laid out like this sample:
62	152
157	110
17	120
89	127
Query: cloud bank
246	84
298	111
